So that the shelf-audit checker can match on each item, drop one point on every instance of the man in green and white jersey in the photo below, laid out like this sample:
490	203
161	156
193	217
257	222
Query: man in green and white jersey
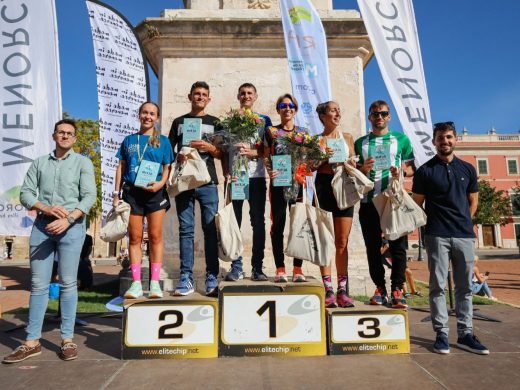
381	154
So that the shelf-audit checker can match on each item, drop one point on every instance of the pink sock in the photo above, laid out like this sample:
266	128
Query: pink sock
156	271
136	271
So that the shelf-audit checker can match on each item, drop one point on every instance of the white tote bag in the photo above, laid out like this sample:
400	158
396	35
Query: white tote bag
311	233
345	188
190	174
363	183
399	215
116	225
229	236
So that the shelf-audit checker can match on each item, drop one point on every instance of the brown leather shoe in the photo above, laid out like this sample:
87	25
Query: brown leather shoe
23	352
69	351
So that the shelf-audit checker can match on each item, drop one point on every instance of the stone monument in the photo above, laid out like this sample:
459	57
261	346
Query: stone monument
229	42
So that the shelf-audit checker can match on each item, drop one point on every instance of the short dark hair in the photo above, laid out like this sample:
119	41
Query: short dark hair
378	104
441	127
247	85
199	84
66	121
321	108
287	96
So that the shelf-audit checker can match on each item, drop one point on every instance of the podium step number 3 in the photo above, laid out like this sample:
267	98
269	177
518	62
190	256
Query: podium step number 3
170	329
368	332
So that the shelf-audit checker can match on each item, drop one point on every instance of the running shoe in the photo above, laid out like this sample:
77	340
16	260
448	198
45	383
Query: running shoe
380	297
344	300
398	300
280	276
235	273
186	285
330	299
135	291
258	276
441	344
211	285
155	290
298	276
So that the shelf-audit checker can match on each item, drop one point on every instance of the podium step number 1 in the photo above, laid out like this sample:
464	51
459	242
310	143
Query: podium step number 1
288	323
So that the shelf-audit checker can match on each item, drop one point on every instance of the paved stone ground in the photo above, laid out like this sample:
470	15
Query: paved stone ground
99	366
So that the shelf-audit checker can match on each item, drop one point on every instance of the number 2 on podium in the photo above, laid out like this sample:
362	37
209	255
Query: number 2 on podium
271	306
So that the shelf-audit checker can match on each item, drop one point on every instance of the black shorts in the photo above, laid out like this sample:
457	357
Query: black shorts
145	202
326	196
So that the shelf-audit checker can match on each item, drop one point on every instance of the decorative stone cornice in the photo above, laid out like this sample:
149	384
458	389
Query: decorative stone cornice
192	33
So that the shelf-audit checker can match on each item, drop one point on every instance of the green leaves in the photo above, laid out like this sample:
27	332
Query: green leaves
494	206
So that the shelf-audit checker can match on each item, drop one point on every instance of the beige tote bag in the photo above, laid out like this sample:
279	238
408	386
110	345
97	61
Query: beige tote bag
345	188
400	215
363	183
116	225
190	174
229	236
311	233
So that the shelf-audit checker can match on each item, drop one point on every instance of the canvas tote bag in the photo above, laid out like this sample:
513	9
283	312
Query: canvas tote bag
344	188
190	174
400	215
116	225
229	236
363	183
311	233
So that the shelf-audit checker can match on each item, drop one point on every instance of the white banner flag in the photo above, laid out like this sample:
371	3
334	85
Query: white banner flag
306	46
393	33
30	100
122	82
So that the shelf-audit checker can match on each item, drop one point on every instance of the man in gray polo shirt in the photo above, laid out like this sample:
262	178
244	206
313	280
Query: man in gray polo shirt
61	187
450	188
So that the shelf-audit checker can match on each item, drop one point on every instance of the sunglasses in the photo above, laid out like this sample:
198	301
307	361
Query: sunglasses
281	106
383	114
444	124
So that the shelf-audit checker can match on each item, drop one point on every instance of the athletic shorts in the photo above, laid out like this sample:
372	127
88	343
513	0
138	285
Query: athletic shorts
326	196
145	202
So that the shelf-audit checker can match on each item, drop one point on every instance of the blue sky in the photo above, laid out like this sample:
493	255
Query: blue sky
469	48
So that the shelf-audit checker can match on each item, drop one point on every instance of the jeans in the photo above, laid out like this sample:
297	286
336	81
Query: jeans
371	229
461	251
43	248
481	289
257	195
207	196
278	216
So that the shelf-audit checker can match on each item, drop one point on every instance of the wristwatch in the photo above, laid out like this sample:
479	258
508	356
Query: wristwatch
115	193
71	219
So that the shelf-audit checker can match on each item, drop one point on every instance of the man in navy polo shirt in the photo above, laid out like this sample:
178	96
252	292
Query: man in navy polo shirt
450	188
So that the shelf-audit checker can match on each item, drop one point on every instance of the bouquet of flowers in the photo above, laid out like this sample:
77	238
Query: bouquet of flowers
240	126
306	151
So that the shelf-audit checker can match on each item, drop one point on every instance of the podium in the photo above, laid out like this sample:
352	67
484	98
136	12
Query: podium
169	328
268	319
259	319
367	329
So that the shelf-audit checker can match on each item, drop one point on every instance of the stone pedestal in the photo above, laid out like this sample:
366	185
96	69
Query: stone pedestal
229	42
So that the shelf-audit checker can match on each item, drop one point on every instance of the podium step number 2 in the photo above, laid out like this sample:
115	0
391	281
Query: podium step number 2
289	323
170	329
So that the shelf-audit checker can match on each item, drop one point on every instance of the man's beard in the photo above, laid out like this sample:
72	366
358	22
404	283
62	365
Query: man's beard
446	153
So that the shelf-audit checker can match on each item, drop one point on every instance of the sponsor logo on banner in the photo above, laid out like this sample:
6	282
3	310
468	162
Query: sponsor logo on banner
299	13
311	70
305	88
307	108
302	41
296	65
